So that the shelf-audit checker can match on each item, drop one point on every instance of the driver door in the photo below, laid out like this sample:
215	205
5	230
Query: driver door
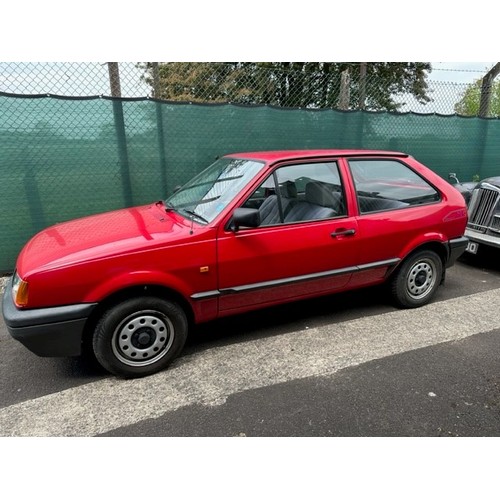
306	244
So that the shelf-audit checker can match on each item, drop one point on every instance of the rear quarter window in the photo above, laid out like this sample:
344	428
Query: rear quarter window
388	185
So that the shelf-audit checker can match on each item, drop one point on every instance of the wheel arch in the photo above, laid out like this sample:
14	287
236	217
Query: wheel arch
417	277
131	292
435	246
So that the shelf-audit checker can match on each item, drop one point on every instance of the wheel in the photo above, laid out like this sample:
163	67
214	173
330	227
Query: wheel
140	336
417	279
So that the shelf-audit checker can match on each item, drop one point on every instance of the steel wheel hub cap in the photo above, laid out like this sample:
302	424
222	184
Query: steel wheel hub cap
421	279
142	339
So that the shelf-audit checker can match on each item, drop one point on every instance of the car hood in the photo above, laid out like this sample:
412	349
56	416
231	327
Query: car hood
465	188
102	236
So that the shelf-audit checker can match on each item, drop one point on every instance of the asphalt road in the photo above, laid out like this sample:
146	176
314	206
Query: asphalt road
346	365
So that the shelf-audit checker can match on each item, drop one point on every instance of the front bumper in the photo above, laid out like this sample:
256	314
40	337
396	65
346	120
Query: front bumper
49	331
485	239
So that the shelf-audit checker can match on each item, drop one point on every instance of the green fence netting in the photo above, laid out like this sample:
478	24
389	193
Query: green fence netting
62	158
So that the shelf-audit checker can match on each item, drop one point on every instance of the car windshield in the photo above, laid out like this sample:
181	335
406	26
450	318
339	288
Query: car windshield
208	193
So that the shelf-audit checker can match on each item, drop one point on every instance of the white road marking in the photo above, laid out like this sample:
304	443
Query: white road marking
209	377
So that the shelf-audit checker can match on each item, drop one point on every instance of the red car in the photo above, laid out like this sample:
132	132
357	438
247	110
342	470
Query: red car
252	230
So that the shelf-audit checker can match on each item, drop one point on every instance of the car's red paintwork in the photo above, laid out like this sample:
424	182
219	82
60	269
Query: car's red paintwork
90	259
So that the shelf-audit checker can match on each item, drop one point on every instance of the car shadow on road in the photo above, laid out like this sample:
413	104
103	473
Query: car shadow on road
295	316
486	259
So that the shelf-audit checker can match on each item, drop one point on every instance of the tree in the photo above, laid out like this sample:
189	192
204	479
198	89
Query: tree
371	86
471	98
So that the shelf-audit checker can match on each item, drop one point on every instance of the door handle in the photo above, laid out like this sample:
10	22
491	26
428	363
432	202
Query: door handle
343	232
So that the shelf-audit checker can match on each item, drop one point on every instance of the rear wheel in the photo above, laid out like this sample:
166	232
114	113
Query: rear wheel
417	279
140	336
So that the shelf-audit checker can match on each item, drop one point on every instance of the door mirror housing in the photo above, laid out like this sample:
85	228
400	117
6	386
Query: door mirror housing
246	217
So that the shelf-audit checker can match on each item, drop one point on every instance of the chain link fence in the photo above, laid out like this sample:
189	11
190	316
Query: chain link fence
242	83
70	147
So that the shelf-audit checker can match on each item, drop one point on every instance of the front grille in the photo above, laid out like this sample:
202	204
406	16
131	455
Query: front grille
481	208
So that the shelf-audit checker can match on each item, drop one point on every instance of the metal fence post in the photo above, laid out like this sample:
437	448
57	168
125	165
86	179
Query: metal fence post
159	126
484	105
121	137
344	97
484	111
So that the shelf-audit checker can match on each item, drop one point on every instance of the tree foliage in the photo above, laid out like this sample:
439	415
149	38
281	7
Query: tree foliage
471	98
290	84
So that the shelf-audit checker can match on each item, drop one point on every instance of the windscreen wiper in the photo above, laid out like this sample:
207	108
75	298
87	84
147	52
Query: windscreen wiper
194	214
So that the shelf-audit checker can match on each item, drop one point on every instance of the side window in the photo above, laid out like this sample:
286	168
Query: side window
296	193
389	184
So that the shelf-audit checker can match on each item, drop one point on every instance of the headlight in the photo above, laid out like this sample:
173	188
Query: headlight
495	223
19	291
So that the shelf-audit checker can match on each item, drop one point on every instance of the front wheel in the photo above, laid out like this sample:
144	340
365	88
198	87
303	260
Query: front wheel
417	279
140	336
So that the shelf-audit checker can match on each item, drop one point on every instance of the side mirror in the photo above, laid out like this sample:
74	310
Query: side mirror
247	217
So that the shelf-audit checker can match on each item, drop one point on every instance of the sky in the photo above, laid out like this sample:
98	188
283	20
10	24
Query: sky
459	72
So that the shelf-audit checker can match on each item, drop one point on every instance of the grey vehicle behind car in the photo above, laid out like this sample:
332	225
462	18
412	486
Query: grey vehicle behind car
483	201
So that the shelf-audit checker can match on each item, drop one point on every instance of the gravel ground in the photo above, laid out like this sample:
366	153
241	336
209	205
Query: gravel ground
3	282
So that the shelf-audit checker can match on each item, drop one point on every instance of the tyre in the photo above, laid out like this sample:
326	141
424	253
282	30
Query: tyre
417	279
140	336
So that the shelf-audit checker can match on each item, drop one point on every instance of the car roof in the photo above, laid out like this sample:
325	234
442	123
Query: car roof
274	156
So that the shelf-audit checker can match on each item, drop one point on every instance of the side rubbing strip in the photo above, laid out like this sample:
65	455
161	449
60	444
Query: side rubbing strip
289	281
205	295
382	263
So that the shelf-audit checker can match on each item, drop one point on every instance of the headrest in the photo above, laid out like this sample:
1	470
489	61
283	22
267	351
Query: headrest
319	194
288	189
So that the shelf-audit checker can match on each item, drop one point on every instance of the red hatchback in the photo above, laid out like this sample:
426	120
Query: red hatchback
250	231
